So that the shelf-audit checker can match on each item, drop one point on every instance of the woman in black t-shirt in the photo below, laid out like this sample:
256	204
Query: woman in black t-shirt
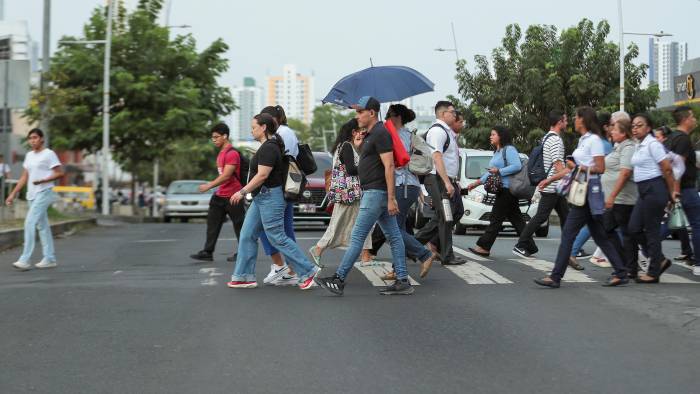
267	176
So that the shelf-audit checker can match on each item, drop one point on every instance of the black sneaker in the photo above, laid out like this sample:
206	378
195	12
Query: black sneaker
399	287
202	256
332	283
456	260
232	259
582	254
521	252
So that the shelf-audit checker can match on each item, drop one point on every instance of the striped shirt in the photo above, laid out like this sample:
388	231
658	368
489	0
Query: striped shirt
552	152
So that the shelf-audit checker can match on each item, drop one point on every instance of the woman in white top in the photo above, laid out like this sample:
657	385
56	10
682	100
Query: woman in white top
589	156
41	169
654	178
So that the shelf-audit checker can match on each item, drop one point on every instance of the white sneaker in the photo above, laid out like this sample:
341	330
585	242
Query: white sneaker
45	264
285	280
696	270
22	266
275	273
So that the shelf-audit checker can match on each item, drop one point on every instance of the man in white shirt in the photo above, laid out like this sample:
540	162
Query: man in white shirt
41	169
553	160
442	183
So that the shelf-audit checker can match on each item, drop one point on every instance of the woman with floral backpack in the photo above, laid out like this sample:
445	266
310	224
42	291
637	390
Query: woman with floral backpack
344	191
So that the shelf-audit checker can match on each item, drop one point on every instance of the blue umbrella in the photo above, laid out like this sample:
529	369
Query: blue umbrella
385	83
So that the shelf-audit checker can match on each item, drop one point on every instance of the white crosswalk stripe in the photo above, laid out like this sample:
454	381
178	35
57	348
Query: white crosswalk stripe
546	267
476	274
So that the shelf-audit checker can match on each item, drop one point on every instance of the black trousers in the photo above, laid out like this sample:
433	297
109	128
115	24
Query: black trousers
579	217
505	207
438	231
626	247
645	223
219	207
548	202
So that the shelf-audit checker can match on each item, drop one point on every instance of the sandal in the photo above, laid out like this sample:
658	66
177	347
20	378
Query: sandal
478	253
315	257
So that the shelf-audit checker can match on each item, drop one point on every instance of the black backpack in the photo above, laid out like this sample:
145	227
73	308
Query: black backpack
535	164
245	167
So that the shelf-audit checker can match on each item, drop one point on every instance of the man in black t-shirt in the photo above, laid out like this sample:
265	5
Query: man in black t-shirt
679	142
378	203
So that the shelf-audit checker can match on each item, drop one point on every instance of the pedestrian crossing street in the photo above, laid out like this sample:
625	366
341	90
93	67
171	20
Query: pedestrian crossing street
483	271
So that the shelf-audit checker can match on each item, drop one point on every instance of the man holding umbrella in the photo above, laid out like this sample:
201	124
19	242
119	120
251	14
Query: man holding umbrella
378	204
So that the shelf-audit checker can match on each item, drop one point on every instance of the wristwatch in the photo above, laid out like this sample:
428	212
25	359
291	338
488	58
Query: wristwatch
243	192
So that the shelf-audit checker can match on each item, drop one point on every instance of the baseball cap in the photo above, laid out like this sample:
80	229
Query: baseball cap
366	102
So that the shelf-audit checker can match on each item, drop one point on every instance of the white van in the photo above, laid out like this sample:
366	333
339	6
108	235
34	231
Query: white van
478	203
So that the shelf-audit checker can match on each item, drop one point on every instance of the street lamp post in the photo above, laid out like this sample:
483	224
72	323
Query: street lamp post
454	40
105	111
622	52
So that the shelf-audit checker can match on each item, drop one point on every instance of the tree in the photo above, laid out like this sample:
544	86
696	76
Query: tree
165	91
327	122
531	75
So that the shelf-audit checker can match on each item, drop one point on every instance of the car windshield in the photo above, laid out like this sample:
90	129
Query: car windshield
476	166
184	188
323	162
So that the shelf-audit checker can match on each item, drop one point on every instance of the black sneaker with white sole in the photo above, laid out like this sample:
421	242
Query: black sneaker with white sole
202	256
582	254
399	287
521	252
332	283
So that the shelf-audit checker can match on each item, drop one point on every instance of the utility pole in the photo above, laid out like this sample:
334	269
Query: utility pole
622	58
45	64
105	111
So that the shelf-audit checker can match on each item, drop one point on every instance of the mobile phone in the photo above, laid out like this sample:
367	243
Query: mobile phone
571	158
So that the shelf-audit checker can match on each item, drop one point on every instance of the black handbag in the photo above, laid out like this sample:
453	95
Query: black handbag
305	159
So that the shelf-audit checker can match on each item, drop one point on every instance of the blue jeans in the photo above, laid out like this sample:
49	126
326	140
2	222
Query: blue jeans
583	236
373	209
38	218
266	213
288	229
691	205
406	196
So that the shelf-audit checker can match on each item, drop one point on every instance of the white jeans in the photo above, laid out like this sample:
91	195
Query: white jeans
38	219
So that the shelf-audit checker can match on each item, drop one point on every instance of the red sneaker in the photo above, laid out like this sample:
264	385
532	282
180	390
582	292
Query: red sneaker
242	285
309	282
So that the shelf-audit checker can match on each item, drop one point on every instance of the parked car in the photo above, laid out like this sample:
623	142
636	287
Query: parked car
312	206
478	203
183	200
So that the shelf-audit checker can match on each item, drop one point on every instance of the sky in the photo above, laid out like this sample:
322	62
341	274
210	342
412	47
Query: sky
334	38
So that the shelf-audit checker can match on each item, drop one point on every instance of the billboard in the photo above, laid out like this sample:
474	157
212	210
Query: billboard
686	88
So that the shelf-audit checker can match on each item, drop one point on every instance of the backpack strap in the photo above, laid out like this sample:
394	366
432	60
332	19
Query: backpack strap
447	134
230	148
544	141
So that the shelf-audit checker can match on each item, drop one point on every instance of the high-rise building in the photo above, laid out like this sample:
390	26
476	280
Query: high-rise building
249	99
294	92
665	61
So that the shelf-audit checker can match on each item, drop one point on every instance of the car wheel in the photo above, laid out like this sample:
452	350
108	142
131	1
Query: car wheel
167	219
542	231
460	229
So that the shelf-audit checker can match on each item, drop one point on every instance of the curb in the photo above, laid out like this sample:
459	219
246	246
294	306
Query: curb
15	237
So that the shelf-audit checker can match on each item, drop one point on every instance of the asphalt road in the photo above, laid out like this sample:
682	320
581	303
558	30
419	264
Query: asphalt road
128	312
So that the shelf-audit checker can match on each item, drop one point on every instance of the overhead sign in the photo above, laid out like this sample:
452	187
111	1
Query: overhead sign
687	88
14	83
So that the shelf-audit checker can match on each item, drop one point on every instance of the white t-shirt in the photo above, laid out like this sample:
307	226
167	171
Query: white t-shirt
290	140
646	158
39	166
589	146
553	152
5	169
436	138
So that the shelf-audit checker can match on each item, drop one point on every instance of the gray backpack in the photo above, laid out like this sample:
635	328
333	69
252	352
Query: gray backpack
421	162
520	186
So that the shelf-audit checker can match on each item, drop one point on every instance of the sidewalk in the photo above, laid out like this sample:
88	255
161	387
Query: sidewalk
12	233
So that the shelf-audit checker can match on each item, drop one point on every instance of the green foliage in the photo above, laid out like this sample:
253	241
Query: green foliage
327	120
543	70
163	91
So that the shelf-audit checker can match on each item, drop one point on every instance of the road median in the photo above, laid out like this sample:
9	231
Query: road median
9	238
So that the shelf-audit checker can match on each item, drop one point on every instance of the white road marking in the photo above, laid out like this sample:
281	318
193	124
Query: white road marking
476	274
469	254
683	264
117	272
210	282
375	271
671	278
210	271
151	241
545	266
